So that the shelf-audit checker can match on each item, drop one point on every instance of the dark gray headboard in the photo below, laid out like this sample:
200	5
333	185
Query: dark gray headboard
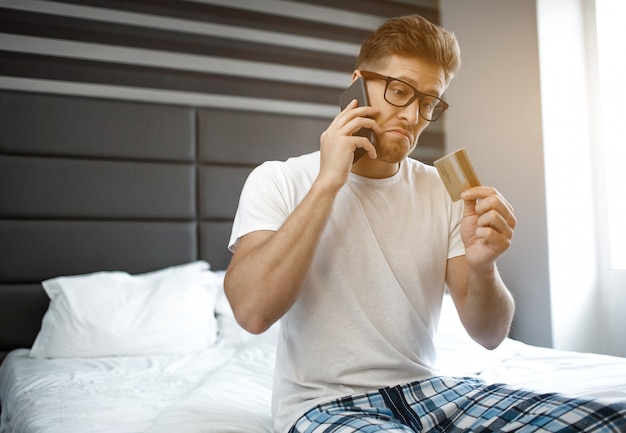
96	184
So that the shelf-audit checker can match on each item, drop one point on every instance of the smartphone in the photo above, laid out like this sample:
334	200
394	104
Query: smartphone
358	91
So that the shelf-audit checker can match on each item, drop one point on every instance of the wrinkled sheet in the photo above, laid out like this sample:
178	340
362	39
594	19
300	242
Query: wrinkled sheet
541	369
524	366
226	388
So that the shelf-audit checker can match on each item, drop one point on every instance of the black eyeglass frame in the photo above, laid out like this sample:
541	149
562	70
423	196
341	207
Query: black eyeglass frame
441	107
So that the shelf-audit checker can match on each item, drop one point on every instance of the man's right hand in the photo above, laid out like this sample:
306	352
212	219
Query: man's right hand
337	143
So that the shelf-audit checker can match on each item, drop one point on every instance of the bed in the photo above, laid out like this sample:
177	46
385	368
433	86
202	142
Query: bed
226	387
113	244
204	374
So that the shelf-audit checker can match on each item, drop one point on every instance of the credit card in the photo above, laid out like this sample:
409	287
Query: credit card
457	173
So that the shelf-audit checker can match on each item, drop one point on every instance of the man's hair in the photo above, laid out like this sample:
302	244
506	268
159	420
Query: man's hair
411	36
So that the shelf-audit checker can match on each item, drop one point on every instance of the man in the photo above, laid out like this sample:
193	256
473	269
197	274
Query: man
354	259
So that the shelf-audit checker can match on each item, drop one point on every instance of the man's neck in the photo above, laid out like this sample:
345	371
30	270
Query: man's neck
374	168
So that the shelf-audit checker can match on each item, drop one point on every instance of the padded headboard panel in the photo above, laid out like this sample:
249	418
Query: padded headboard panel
90	184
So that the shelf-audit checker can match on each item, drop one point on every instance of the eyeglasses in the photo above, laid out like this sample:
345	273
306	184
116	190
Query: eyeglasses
400	94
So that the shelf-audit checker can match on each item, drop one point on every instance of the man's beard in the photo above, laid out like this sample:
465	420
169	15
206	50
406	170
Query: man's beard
392	152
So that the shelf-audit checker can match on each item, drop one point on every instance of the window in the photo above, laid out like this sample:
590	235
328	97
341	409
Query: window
611	43
584	121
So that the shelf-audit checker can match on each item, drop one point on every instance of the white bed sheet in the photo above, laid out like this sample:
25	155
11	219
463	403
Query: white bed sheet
524	366
541	369
226	388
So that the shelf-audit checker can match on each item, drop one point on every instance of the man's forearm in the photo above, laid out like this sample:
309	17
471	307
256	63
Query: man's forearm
488	308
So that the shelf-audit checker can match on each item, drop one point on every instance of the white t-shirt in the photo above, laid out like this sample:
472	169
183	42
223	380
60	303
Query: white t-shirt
369	308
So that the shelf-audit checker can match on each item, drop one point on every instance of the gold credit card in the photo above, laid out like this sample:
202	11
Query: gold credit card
457	173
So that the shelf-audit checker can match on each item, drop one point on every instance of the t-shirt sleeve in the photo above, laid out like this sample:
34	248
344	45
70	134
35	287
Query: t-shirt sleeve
262	205
455	244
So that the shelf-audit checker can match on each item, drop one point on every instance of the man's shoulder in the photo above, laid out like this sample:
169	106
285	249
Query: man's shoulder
306	161
296	165
295	169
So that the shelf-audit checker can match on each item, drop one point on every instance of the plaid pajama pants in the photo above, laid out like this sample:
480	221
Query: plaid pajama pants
453	405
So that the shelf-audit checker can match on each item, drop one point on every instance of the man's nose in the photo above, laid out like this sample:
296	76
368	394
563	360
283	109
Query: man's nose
411	112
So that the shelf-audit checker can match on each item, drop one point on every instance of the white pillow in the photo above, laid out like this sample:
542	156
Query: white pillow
114	313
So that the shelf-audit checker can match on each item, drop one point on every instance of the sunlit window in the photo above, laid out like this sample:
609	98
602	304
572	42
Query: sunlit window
611	34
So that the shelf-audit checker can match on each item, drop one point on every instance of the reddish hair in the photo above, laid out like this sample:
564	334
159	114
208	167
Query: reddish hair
411	36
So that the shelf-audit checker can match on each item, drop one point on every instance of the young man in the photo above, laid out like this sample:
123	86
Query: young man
354	258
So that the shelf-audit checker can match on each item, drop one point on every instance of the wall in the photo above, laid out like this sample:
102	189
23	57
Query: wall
538	140
496	115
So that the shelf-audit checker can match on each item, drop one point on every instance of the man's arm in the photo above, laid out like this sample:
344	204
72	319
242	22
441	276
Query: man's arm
268	268
484	303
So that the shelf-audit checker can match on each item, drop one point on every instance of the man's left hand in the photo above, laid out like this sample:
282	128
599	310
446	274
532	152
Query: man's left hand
487	226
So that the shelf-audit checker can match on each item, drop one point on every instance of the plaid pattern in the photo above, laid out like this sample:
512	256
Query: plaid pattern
454	405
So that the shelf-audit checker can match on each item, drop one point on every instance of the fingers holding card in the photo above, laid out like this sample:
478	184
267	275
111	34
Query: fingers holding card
488	219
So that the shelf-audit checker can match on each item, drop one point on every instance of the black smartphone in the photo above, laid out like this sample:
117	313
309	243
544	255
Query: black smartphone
358	91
